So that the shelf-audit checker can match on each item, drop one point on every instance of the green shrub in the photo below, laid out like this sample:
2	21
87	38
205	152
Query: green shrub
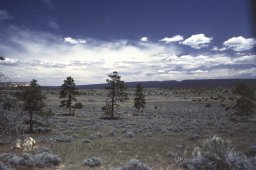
216	154
78	105
208	105
48	113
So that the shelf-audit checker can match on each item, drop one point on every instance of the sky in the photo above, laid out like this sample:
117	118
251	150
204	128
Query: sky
144	40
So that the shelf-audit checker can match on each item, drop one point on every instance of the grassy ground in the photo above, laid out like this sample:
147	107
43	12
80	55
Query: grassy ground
181	112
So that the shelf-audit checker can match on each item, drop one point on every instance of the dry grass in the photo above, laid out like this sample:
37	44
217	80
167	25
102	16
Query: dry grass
118	150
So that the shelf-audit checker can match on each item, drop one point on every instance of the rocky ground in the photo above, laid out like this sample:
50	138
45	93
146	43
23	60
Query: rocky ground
172	124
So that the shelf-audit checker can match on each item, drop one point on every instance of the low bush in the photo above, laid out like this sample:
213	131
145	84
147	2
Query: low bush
135	164
216	154
28	161
93	162
78	105
208	105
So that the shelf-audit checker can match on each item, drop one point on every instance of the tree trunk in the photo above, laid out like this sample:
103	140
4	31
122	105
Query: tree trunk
113	100
70	98
112	107
31	122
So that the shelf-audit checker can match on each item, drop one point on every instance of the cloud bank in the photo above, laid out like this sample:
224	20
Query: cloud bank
50	58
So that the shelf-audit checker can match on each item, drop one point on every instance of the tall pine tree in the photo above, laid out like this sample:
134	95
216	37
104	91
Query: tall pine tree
32	98
117	91
139	100
68	91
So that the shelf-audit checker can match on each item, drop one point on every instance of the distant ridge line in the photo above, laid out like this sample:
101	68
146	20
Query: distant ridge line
204	83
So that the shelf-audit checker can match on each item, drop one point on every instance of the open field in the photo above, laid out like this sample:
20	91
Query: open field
174	120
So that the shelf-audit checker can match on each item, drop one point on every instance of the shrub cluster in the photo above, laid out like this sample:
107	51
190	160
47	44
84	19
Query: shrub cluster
28	161
216	154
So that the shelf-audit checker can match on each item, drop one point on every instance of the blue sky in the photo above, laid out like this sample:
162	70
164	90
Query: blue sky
142	39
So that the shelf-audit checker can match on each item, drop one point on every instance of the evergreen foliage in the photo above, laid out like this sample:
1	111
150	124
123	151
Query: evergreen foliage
117	92
67	93
139	100
32	99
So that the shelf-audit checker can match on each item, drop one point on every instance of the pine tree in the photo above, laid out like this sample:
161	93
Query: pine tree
68	91
32	98
117	91
139	100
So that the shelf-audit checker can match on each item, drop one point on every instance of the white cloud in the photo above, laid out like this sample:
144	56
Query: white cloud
246	59
199	71
240	43
144	39
74	41
193	62
219	49
9	61
223	73
49	59
4	15
197	41
175	38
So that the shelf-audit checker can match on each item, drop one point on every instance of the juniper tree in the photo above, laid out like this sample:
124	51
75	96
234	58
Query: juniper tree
32	99
139	100
117	91
68	91
245	104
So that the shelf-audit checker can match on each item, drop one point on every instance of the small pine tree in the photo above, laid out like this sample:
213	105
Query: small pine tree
245	104
32	99
68	91
139	100
117	91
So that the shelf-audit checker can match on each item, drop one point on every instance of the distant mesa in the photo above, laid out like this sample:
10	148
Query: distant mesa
205	83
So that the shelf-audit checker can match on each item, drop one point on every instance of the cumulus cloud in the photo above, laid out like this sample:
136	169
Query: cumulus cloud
197	41
49	59
175	38
144	39
74	41
4	15
240	43
9	61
